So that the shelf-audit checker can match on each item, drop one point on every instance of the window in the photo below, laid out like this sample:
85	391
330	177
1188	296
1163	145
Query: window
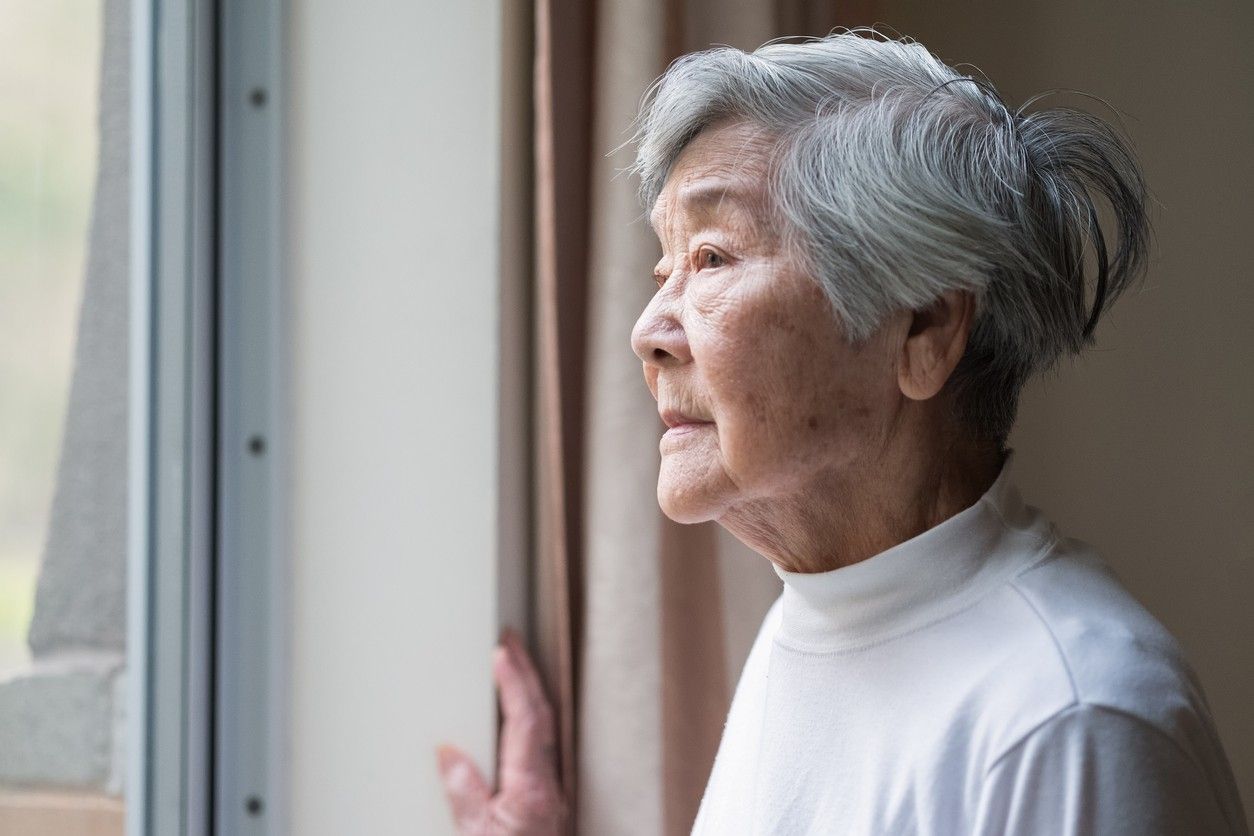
143	358
64	304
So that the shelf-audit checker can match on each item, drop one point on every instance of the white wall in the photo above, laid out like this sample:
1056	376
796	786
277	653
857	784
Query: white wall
392	259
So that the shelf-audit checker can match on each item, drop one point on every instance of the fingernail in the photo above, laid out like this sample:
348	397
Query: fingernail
446	757
516	642
454	769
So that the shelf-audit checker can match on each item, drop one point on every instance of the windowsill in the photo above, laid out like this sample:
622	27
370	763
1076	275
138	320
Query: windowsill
53	814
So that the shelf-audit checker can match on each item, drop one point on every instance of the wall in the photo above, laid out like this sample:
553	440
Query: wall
1145	446
392	259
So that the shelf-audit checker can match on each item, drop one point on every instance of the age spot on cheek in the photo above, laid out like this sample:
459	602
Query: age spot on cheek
756	406
813	422
779	323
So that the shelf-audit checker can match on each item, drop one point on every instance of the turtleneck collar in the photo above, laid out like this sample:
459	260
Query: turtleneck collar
918	581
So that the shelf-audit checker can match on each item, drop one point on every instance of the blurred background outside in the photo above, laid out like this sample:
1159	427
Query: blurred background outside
49	80
64	202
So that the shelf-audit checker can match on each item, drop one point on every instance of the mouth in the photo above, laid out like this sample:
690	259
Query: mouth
681	429
675	420
678	433
680	426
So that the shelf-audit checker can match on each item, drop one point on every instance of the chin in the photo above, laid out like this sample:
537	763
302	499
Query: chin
683	504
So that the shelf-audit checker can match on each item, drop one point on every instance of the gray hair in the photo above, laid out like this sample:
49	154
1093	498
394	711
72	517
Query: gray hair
899	178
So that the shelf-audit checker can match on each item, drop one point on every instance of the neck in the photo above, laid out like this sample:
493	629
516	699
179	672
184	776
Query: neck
838	518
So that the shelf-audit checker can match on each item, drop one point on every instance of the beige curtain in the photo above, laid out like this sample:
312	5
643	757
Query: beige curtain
641	624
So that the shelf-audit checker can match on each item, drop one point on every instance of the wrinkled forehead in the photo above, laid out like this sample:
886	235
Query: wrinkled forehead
708	199
722	172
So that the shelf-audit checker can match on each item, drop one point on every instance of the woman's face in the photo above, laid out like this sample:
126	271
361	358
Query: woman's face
740	339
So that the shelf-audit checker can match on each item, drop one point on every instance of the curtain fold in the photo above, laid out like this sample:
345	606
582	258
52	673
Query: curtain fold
641	625
563	53
620	753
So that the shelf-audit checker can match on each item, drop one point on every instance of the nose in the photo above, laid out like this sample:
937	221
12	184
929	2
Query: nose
658	338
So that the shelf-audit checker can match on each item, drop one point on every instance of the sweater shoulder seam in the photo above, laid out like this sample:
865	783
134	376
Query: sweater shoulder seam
1079	706
1053	637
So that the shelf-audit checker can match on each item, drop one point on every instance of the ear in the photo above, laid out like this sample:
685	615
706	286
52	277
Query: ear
934	344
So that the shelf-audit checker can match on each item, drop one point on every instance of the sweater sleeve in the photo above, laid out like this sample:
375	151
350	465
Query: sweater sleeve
1095	770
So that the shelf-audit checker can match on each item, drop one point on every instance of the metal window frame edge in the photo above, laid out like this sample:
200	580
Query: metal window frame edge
139	388
252	672
172	431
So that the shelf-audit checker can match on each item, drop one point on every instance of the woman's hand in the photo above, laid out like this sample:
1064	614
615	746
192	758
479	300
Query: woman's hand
530	798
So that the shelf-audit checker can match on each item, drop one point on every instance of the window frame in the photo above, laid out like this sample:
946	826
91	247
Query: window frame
251	674
172	426
205	600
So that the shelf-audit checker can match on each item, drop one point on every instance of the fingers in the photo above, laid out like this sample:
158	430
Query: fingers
464	785
520	682
528	736
530	797
514	643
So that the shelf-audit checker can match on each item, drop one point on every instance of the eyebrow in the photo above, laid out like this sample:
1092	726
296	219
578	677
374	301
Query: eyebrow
708	198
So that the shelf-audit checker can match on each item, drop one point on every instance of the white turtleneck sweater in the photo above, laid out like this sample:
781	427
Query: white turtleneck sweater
988	676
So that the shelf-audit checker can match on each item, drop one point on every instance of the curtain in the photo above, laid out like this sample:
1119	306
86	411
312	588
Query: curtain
640	625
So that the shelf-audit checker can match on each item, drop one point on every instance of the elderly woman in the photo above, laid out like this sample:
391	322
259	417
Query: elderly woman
864	257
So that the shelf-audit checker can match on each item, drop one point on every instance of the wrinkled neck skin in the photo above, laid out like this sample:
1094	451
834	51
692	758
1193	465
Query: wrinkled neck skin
919	474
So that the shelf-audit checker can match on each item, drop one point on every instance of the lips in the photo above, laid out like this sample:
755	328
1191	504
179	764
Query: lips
673	418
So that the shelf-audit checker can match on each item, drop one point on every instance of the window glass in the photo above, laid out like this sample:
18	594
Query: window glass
64	199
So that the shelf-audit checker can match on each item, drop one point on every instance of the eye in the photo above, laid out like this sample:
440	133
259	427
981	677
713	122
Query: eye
709	258
659	279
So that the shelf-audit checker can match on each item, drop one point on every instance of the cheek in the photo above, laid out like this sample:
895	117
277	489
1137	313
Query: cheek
789	394
768	379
